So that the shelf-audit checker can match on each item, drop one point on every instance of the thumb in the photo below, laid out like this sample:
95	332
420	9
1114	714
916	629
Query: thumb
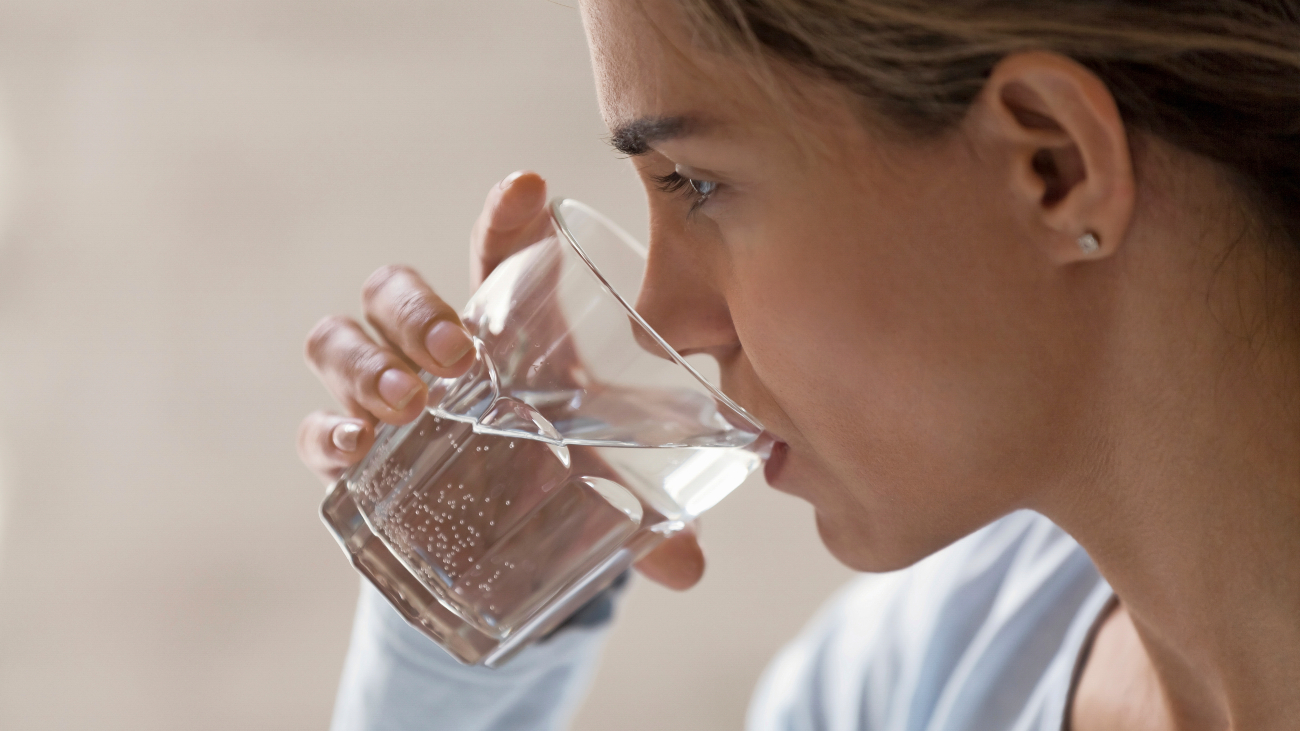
510	220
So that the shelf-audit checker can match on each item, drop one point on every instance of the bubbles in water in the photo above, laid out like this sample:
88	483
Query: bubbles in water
442	556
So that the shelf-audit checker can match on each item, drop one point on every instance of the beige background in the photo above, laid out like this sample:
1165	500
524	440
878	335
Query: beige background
194	183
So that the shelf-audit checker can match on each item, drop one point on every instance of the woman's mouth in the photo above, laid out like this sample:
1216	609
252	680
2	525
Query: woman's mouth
775	461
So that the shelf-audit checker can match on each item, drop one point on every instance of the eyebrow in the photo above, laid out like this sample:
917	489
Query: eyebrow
638	136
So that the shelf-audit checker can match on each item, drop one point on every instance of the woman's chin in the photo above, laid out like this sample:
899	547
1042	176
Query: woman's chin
861	549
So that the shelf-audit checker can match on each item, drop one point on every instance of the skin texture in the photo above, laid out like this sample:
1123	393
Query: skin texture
915	321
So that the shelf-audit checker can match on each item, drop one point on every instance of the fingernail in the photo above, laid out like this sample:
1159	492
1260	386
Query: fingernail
447	343
345	436
397	388
510	179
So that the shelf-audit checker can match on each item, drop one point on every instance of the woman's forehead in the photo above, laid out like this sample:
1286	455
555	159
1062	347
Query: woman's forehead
647	68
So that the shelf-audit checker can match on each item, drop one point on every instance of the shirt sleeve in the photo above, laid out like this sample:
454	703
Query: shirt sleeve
396	679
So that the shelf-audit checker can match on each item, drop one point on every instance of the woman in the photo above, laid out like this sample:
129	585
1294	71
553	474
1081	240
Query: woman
985	268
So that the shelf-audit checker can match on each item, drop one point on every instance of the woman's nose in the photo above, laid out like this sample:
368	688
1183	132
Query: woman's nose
681	295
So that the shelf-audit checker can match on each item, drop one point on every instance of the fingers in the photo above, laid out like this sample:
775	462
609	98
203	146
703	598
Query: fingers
406	313
330	443
678	563
417	329
365	377
514	216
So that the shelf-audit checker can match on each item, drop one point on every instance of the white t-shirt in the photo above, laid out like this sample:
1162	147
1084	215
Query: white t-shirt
982	636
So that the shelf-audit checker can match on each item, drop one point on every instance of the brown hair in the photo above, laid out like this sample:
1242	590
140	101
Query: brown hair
1220	78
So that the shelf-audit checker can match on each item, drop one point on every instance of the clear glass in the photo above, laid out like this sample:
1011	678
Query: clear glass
576	443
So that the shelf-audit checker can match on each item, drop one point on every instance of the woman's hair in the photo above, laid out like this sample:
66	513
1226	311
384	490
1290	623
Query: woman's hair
1220	78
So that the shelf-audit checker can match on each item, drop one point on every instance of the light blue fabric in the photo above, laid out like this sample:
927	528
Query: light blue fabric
982	636
396	679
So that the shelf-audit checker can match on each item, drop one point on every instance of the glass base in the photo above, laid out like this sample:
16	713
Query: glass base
423	610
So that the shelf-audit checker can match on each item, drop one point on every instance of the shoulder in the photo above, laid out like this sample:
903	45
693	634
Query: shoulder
966	638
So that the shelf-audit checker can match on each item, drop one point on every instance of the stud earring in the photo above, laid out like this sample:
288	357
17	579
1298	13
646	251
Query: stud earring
1088	243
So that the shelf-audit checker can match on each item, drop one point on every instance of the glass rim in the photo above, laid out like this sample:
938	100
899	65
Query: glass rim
642	251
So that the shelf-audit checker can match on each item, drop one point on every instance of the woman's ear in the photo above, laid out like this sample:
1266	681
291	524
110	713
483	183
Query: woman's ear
1056	126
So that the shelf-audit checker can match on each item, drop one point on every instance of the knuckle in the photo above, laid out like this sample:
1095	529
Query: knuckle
362	362
322	333
412	310
382	277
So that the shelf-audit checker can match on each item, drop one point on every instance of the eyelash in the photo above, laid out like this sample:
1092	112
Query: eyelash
688	187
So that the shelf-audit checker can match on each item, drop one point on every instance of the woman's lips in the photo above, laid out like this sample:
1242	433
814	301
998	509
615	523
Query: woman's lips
775	461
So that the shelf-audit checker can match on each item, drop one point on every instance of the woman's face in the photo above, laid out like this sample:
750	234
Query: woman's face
876	304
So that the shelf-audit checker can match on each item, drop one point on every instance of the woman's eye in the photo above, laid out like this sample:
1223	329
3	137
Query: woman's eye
704	187
697	191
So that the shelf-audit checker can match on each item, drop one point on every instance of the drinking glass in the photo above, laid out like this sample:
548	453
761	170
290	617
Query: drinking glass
577	442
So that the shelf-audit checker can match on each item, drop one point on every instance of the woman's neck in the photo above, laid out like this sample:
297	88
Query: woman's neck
1192	509
1209	584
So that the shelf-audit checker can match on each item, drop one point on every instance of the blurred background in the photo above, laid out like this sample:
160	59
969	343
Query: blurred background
185	188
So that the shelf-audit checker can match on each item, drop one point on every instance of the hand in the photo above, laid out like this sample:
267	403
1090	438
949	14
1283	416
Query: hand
375	377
